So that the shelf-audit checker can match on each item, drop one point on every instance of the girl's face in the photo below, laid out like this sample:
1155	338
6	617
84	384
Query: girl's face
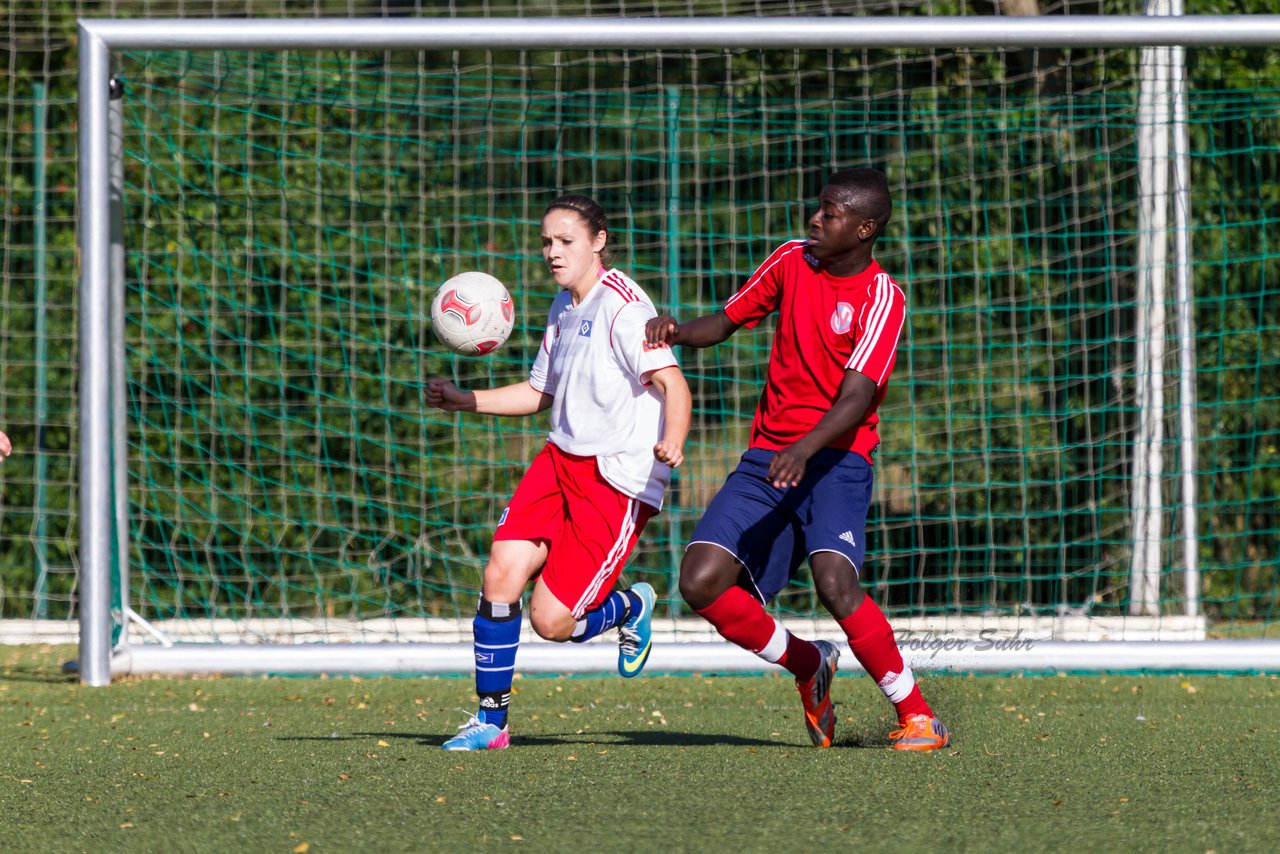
572	253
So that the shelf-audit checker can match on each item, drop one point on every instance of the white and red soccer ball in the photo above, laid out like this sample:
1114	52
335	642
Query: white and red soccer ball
472	314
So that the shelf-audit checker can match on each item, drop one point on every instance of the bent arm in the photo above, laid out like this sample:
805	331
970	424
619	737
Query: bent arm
677	411
517	399
847	411
705	331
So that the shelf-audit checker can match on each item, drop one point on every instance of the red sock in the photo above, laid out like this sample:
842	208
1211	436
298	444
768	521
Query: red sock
871	639
739	617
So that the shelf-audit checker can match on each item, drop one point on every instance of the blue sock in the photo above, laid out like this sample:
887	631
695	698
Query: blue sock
612	611
497	637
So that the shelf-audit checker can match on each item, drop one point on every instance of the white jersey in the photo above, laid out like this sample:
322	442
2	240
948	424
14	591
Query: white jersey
595	364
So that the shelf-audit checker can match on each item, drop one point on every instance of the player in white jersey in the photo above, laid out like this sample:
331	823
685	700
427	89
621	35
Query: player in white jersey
620	411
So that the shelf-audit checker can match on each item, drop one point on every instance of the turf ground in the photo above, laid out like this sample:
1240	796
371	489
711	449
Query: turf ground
1078	763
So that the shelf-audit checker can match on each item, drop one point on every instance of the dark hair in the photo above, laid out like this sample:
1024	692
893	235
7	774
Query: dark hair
868	191
590	212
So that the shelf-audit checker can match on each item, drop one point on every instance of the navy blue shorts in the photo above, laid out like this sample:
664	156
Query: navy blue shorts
771	531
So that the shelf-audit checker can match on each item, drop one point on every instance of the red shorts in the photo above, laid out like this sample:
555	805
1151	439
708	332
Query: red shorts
589	526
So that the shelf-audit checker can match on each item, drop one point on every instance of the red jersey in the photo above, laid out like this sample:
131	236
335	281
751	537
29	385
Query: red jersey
826	325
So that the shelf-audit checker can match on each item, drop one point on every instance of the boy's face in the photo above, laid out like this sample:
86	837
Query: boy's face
838	227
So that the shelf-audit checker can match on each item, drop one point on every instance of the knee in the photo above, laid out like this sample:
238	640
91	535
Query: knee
838	588
702	581
552	627
503	582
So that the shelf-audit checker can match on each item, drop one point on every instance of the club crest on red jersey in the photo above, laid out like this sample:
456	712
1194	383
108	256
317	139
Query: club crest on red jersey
842	318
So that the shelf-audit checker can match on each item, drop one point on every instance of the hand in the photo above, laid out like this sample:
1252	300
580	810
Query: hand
443	394
787	466
662	329
669	452
6	447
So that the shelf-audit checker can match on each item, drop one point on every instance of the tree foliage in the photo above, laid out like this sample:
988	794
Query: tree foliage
289	216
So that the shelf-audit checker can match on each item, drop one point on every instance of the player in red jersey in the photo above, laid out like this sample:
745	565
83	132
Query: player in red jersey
803	487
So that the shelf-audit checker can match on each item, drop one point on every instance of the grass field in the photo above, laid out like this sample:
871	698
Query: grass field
1080	763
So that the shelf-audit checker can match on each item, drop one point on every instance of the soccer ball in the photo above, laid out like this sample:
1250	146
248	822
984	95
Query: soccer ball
472	314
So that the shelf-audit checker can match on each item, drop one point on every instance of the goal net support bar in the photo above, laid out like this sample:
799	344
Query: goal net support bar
926	653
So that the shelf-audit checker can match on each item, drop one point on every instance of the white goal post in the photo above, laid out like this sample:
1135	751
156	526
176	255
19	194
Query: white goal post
103	471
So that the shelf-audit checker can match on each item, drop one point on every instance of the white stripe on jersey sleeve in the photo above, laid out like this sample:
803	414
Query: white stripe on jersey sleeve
759	273
871	330
881	310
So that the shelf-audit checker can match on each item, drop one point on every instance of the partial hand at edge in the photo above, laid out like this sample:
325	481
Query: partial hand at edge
660	330
788	465
442	394
669	452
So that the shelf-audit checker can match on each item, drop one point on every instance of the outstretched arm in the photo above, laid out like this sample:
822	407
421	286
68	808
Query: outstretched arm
677	408
850	407
518	399
705	331
6	447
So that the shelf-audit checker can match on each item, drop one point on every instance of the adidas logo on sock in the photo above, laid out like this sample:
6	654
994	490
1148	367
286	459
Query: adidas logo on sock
847	536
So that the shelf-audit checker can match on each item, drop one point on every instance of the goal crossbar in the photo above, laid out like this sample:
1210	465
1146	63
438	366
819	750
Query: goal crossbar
1091	31
102	472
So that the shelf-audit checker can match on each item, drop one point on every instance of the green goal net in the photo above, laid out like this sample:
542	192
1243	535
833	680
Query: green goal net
288	216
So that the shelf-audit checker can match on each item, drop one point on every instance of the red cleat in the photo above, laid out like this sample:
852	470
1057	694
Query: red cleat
815	696
920	732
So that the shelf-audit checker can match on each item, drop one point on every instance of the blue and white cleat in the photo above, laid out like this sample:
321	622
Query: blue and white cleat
635	633
475	734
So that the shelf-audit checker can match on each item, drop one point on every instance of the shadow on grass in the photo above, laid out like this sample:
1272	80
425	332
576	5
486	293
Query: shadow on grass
44	663
35	676
867	740
44	675
630	738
